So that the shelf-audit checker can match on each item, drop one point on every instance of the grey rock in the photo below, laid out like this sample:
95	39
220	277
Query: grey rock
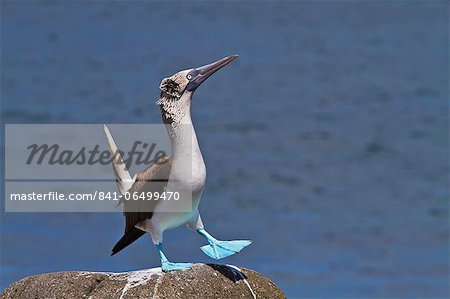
203	281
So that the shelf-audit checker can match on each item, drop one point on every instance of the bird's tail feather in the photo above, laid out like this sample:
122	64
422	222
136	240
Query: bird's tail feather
127	239
123	178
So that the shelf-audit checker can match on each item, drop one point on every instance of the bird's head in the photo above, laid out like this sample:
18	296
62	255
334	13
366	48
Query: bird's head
177	90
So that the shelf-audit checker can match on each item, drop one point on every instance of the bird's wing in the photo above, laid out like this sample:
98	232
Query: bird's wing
152	179
123	178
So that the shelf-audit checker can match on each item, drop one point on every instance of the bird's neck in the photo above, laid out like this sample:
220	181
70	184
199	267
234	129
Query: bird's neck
184	140
177	117
187	160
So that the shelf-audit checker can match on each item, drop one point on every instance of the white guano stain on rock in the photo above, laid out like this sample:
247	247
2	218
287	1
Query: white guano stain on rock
133	278
137	278
239	272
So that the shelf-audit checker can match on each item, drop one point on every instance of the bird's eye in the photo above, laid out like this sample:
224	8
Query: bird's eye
189	76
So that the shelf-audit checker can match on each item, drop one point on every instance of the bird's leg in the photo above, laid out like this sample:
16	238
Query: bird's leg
166	266
169	266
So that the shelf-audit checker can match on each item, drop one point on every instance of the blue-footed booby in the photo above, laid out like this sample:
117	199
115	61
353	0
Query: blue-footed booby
175	105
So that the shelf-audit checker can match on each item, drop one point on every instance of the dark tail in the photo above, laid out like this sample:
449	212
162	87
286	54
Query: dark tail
127	239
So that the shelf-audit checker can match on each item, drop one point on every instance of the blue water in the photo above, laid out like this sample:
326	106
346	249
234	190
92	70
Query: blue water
326	142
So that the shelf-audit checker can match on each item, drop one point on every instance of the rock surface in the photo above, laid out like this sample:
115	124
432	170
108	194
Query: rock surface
203	281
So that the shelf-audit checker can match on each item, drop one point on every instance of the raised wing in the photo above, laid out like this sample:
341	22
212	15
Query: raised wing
153	180
123	177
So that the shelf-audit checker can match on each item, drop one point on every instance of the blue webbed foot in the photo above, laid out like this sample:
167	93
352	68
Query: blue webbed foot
221	249
169	266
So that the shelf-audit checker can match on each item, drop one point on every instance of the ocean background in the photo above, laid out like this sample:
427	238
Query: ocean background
326	142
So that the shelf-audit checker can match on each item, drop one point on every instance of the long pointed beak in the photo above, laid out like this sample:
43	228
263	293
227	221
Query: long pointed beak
204	72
